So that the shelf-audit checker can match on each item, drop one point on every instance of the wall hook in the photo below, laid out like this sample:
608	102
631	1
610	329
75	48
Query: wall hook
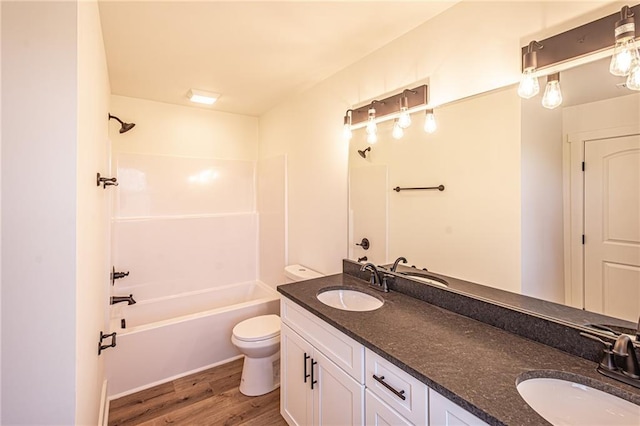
106	181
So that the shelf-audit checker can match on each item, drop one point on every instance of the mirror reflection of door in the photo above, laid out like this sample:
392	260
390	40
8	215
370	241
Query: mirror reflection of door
612	226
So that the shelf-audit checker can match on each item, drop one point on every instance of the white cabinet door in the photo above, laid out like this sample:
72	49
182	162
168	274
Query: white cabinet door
337	398
443	412
380	414
296	403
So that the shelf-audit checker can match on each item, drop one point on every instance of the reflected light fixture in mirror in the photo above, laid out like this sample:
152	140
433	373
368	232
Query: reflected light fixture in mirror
529	86
552	93
372	127
624	52
398	131
430	124
346	128
404	120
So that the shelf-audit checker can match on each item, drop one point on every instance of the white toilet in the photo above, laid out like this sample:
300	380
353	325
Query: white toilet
258	339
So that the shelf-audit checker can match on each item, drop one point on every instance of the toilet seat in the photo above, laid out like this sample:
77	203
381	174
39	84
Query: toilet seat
259	328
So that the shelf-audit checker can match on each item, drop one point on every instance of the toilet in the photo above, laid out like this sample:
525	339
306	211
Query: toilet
258	338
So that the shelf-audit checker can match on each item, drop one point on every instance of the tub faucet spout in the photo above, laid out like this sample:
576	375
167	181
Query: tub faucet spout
118	299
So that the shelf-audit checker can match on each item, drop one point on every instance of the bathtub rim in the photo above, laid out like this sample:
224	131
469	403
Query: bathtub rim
114	323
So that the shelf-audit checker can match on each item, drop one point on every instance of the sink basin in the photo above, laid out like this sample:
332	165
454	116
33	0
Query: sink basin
425	279
349	300
563	402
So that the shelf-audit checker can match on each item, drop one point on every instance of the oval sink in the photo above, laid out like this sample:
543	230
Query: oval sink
563	402
349	300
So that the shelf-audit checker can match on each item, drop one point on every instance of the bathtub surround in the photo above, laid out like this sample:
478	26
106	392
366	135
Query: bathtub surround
185	225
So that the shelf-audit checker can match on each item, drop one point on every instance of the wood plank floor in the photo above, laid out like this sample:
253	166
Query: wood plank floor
210	397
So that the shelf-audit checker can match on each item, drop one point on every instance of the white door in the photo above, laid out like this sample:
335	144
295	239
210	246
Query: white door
296	403
337	397
612	226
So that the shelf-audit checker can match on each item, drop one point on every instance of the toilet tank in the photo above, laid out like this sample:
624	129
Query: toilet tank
295	273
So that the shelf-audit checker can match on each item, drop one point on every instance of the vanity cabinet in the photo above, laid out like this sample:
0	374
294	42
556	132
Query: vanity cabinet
315	390
443	412
327	378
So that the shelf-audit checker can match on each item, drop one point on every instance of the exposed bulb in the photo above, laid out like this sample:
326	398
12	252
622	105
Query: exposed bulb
372	138
529	86
623	55
372	127
404	120
346	132
430	125
633	80
398	132
552	94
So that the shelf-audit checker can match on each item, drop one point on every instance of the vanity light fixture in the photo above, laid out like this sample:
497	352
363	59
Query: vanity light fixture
633	80
624	52
529	86
372	127
404	119
346	128
202	97
398	131
552	94
430	124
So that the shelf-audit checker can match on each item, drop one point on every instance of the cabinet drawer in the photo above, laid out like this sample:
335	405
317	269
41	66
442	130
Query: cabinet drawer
335	345
404	393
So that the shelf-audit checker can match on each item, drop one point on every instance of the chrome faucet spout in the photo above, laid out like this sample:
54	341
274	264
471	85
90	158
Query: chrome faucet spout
376	281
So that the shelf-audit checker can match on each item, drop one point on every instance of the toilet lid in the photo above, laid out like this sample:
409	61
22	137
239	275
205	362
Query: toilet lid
257	328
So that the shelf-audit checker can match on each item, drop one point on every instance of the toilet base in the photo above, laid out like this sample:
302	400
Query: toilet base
260	375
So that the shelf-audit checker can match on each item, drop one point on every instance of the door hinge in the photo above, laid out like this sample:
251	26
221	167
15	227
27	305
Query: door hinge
583	166
582	238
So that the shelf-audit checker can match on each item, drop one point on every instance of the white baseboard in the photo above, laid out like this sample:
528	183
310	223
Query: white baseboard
103	417
169	379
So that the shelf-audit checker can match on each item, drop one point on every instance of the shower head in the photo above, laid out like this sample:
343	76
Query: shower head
124	127
363	152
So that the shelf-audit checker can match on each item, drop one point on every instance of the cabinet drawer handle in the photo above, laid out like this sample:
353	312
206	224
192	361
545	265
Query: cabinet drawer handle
306	357
313	382
399	394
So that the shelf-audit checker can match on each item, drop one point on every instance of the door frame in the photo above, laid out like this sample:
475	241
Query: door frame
573	206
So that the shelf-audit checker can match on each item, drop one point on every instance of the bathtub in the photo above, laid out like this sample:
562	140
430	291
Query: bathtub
173	336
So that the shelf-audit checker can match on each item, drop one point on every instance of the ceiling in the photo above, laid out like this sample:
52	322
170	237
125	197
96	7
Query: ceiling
255	54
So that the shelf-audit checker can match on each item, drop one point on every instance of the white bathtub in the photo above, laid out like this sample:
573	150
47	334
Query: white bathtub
174	336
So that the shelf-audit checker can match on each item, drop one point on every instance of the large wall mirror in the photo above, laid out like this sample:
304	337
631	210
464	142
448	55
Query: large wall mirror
516	201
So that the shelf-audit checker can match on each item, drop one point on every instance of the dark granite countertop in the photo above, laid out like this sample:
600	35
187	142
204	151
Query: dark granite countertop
473	364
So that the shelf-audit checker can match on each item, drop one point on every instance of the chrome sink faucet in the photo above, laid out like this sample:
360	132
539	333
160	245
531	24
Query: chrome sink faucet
375	280
625	356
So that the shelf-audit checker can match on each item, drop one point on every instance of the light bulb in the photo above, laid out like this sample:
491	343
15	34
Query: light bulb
398	132
430	125
346	129
624	51
372	138
529	86
372	127
404	120
623	55
633	80
552	94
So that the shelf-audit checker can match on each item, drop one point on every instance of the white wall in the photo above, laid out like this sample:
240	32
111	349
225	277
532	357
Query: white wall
92	276
39	189
457	52
542	187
